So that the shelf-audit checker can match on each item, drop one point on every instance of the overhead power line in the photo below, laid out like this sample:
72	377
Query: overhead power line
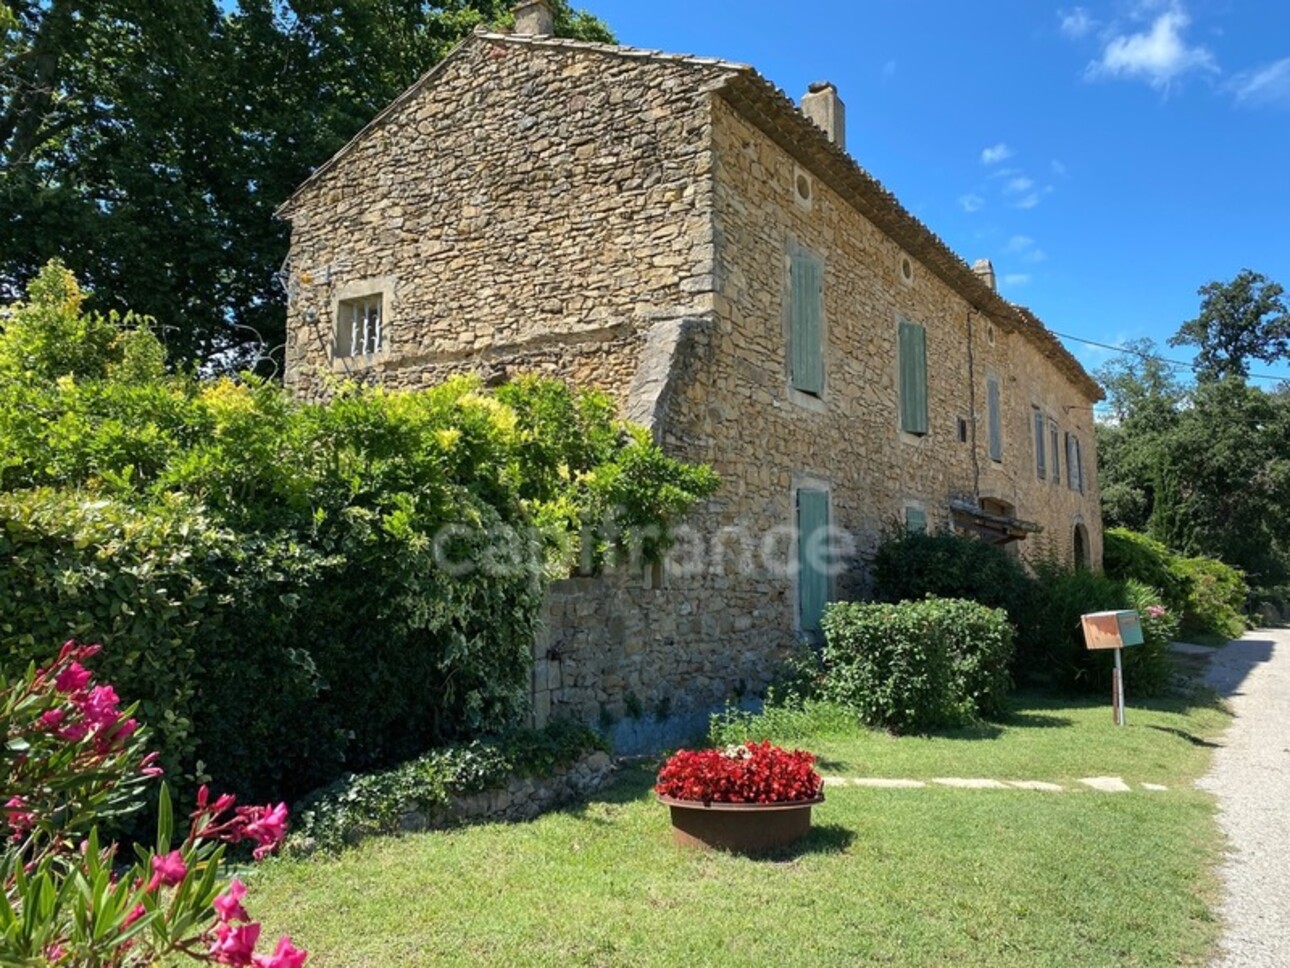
1182	364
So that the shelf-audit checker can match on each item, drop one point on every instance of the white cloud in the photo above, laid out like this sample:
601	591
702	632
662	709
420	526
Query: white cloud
1014	279
1030	201
1024	248
888	71
1076	23
1019	185
971	203
995	154
1159	55
1057	167
1267	86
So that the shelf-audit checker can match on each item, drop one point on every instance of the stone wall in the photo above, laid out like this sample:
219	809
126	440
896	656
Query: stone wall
531	208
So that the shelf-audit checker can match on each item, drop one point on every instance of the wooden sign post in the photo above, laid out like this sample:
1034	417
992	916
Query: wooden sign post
1116	631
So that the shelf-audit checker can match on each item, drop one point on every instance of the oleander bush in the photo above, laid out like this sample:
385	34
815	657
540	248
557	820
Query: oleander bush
918	666
1210	597
295	591
1217	595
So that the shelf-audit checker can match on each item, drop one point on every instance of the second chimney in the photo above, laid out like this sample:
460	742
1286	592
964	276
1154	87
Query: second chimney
984	269
534	18
823	106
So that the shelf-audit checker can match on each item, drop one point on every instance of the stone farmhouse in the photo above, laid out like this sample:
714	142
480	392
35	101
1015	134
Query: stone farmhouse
678	232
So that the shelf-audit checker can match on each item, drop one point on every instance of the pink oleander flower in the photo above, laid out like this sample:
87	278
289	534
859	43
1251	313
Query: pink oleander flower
72	679
73	733
51	719
285	955
1155	611
138	912
168	869
228	906
148	765
100	707
266	826
235	945
20	819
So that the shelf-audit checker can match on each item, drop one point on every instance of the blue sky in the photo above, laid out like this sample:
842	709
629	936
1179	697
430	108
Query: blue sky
1109	157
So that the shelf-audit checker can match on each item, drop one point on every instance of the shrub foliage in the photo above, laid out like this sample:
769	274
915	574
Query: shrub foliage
918	666
294	591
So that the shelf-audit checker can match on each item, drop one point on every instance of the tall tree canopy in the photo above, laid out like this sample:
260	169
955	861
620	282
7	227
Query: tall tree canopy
1206	468
1239	321
147	143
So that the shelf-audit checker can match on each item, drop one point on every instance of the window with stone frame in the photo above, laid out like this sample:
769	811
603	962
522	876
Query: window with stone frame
360	326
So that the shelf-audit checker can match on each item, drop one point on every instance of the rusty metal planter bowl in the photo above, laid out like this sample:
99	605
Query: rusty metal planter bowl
743	828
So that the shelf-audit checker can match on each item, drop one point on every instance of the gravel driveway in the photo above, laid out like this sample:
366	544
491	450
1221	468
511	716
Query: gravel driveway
1251	777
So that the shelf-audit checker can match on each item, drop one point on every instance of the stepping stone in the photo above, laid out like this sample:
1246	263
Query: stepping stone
885	784
1106	784
1155	787
1037	785
971	784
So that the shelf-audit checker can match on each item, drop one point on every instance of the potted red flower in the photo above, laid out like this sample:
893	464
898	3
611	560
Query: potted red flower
749	798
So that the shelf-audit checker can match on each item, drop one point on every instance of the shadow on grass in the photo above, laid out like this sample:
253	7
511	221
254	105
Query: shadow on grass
828	838
1189	737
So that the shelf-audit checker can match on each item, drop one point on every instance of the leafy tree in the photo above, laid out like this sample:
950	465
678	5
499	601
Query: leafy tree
1239	321
1144	395
147	144
1223	480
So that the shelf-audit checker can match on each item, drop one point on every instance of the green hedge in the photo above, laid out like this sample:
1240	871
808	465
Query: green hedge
295	591
917	666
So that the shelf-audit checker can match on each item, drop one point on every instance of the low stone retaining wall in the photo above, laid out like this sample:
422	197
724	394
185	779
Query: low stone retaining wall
523	797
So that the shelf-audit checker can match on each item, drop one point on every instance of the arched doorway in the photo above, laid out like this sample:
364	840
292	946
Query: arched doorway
1081	547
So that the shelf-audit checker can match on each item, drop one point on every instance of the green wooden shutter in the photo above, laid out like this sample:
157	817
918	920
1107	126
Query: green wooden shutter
806	326
916	520
996	419
1041	465
812	579
1070	462
913	378
1053	439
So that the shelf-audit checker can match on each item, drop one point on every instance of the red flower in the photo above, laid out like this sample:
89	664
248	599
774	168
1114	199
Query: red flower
751	773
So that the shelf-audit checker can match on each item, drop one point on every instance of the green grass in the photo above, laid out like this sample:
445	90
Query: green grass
907	877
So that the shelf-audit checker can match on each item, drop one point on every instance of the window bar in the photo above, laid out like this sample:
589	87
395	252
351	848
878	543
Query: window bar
353	329
376	308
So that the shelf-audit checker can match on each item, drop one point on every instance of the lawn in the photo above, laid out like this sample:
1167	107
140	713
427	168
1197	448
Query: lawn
908	877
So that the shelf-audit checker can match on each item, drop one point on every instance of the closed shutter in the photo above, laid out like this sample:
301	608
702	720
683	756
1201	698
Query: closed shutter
1070	462
913	378
806	328
1054	438
812	557
1041	465
996	419
916	520
1079	467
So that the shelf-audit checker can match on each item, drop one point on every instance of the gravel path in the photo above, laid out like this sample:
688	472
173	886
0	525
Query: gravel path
1251	777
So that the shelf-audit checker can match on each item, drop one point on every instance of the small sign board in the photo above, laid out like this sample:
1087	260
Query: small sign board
1112	630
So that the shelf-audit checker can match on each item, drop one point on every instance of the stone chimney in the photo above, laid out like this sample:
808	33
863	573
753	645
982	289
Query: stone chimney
534	18
823	106
984	269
